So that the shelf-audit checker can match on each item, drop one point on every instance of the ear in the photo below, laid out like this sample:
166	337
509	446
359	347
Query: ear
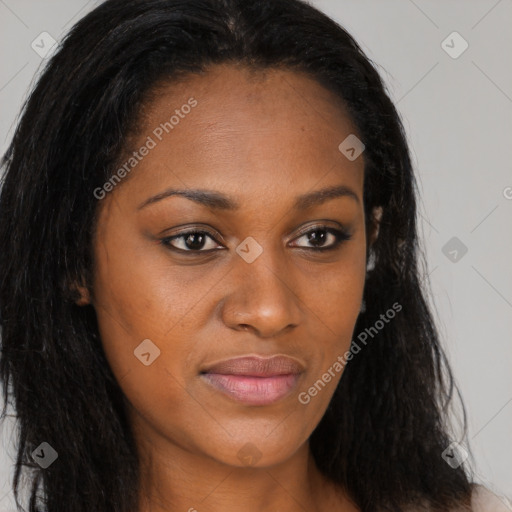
77	293
82	296
375	224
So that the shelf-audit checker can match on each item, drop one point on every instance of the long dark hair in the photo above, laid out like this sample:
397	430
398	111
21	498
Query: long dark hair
385	430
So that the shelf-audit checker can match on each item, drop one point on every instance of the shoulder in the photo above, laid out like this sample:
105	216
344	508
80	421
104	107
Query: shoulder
484	500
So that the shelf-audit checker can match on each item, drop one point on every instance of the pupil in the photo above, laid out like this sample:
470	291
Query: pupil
315	239
195	241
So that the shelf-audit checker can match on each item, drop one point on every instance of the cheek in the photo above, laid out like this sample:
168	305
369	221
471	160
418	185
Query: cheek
335	303
336	291
140	296
338	303
140	309
137	292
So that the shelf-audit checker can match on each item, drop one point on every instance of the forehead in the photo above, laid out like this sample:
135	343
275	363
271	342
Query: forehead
248	130
237	94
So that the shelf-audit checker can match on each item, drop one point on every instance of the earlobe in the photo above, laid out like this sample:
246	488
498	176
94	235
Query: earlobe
77	293
83	296
377	216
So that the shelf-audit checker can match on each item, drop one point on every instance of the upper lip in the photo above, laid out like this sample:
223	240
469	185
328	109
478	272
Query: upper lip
255	366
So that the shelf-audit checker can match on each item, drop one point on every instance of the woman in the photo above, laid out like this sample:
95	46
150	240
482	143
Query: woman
209	285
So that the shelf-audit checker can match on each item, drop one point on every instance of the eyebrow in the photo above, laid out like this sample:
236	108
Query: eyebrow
219	201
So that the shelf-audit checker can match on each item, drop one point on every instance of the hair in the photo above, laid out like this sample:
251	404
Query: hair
383	434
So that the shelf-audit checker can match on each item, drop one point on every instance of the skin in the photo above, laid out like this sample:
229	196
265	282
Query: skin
263	139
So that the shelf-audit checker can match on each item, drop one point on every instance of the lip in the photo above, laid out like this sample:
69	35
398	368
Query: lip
254	380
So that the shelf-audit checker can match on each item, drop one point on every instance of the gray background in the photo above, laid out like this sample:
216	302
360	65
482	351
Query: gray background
458	115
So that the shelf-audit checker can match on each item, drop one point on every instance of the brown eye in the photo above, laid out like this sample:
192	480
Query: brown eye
191	241
323	238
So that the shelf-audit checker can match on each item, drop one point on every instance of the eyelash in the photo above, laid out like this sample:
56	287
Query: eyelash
340	237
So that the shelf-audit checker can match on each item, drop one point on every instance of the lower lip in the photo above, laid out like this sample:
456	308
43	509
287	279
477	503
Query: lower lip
253	390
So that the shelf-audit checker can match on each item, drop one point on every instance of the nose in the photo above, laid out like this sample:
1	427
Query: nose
263	298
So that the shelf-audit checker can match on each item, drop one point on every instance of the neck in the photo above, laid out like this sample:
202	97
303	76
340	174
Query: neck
174	478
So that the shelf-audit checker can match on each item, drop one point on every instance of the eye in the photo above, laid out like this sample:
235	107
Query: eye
323	238
320	238
191	241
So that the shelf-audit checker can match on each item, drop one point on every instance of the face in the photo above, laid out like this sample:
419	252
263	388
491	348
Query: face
239	232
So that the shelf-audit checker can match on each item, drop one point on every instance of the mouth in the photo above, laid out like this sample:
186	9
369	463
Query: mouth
254	380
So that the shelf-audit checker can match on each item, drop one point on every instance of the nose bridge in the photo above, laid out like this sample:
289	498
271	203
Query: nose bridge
262	295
